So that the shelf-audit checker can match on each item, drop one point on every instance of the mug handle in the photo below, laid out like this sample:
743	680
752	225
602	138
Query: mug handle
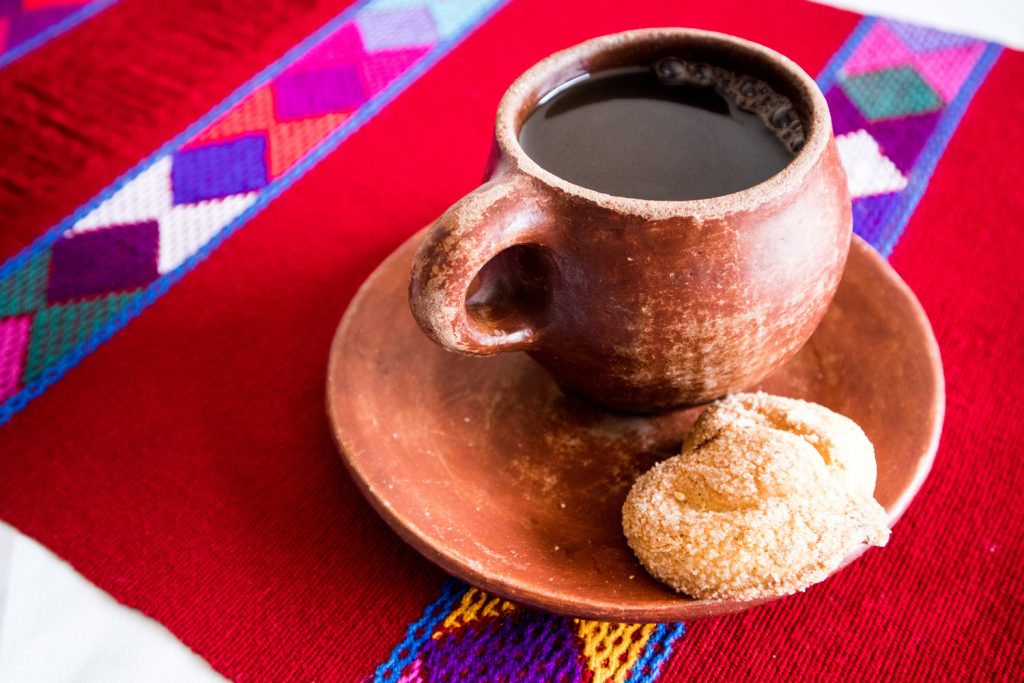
507	211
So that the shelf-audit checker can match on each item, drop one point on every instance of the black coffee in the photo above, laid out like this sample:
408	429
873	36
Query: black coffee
677	130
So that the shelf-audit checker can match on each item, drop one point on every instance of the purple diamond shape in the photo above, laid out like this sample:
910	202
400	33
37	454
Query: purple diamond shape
306	93
845	115
114	259
903	139
529	646
872	217
33	22
923	39
219	169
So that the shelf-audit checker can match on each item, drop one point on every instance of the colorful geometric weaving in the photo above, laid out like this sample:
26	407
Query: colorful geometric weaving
896	93
87	278
468	635
79	283
888	88
27	24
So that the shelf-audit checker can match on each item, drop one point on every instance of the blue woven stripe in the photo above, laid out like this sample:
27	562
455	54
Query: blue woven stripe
659	646
827	78
646	669
884	231
419	633
51	32
657	650
886	234
483	9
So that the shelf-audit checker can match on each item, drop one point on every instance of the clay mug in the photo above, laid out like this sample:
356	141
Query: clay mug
640	305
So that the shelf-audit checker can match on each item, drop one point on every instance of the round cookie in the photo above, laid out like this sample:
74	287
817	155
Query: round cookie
767	497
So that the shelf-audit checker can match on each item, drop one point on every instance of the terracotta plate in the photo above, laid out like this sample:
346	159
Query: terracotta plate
485	467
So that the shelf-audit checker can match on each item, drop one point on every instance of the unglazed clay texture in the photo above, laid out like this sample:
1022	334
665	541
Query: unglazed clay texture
488	468
646	304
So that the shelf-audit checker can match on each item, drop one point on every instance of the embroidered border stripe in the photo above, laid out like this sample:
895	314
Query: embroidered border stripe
23	29
896	92
87	277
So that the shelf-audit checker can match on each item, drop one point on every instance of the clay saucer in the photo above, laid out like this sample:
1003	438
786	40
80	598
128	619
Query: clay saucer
490	471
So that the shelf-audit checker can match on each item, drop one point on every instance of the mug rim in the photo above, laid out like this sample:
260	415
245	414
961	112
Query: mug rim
536	82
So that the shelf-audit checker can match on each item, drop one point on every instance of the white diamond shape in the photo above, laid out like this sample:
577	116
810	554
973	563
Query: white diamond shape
868	170
184	228
145	197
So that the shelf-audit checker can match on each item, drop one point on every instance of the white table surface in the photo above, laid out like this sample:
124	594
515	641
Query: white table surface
56	626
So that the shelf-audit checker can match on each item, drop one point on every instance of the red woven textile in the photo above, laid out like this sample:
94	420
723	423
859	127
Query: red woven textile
186	466
942	602
88	105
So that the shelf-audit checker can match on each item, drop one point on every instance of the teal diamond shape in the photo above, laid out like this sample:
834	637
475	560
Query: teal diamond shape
23	290
891	93
56	330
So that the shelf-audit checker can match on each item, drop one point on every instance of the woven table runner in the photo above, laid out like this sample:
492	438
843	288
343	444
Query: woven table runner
28	24
191	193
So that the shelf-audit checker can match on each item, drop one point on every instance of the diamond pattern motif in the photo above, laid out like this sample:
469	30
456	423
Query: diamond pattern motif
891	93
846	118
880	49
331	89
220	169
287	141
946	70
57	330
24	20
868	171
59	299
522	644
74	286
24	290
451	15
889	97
923	39
398	27
380	68
904	139
184	228
118	258
509	643
25	24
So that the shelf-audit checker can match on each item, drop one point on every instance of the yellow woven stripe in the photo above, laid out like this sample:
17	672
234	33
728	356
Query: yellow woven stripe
473	605
611	650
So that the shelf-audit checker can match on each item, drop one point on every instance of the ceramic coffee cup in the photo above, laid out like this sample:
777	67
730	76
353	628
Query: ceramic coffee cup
640	305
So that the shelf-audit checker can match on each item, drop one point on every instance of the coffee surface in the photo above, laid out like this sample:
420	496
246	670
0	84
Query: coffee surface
673	131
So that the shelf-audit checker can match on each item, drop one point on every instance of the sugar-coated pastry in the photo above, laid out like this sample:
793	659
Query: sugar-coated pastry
842	444
767	497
